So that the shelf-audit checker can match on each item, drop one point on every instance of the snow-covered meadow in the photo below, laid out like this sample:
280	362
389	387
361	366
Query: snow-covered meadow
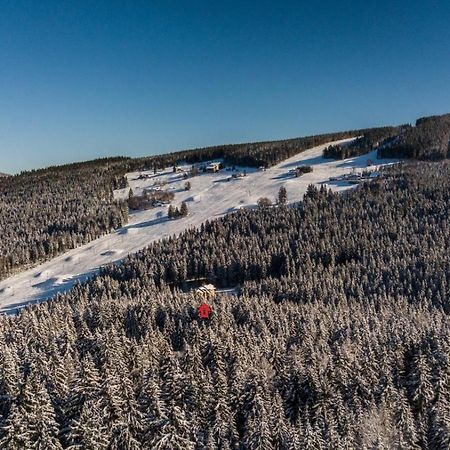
210	197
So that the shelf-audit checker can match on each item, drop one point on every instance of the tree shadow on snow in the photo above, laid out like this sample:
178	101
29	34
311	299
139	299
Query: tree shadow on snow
305	162
148	223
50	288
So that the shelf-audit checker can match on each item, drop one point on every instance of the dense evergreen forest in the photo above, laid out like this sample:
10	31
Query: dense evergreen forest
264	154
338	337
365	143
428	140
46	212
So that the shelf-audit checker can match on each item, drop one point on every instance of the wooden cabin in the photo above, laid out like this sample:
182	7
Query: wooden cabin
207	291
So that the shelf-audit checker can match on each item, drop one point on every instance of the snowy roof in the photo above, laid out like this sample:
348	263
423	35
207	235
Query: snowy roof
206	288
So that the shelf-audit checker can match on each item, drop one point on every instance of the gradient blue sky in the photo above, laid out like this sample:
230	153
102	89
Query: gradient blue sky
86	79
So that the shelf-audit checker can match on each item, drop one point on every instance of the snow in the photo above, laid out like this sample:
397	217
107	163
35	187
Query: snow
210	197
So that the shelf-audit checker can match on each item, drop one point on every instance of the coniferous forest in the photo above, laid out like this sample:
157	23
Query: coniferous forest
428	140
46	212
224	225
336	337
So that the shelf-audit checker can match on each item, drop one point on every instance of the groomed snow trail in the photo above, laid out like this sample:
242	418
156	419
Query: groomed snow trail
210	197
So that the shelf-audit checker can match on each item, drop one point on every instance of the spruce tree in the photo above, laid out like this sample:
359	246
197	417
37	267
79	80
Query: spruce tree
183	209
282	196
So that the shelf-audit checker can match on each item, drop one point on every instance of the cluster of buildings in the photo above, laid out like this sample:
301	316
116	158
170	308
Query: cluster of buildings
357	177
300	170
213	167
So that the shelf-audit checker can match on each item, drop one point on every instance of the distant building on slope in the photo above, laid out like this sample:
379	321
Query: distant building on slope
206	291
213	167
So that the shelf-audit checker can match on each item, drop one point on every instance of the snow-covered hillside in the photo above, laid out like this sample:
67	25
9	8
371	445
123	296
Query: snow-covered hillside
211	196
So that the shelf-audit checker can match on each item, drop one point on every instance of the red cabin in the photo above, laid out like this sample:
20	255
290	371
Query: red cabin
204	311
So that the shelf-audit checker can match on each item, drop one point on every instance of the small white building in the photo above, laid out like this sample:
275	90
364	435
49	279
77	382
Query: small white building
213	167
206	291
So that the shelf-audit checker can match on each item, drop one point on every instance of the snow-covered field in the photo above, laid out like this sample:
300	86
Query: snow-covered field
211	196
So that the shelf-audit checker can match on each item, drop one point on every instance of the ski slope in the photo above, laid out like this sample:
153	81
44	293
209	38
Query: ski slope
210	197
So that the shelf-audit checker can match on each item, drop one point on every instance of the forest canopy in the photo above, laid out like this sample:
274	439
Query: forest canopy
428	140
338	335
48	211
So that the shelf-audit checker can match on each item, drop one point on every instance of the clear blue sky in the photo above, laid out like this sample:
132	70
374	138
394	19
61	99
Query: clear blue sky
86	79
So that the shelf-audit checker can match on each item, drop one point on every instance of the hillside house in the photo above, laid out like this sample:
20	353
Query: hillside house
213	167
206	291
204	311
